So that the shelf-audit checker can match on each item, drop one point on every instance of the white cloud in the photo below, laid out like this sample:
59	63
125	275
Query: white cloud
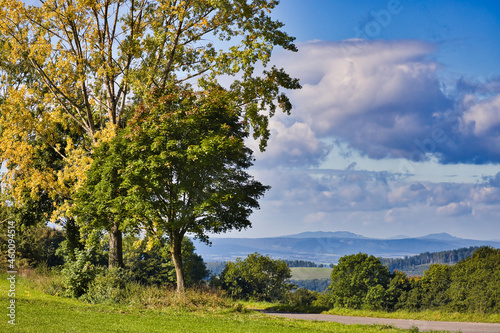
291	146
385	99
483	117
455	209
378	96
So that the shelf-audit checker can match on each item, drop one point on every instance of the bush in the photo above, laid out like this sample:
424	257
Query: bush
354	277
79	273
258	277
108	286
301	298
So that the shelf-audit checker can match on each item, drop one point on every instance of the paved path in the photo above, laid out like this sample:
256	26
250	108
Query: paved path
400	323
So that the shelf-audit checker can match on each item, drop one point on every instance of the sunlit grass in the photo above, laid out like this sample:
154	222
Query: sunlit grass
437	315
37	312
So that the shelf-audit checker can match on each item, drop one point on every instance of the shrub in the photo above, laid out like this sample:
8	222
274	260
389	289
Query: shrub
354	276
79	273
301	298
258	277
108	286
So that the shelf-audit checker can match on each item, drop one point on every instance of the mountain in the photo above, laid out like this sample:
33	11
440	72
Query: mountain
441	236
325	234
328	247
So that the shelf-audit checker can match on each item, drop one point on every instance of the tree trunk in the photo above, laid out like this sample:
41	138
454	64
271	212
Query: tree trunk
175	249
115	247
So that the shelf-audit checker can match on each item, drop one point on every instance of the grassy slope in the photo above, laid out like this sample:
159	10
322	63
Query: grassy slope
38	312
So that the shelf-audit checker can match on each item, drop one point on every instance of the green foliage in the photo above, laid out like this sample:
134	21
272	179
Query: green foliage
473	285
107	286
257	277
79	274
300	263
179	167
186	170
155	266
354	277
475	282
435	284
318	285
301	298
398	287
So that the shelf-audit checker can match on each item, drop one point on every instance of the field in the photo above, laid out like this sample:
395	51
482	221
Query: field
310	273
39	312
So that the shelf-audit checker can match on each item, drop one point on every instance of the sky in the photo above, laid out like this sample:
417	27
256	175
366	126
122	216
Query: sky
396	130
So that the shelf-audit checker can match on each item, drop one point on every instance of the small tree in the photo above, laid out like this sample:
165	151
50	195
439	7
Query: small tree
178	169
258	277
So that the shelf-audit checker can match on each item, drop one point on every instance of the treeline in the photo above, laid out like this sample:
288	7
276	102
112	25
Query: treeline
305	263
363	282
300	263
445	257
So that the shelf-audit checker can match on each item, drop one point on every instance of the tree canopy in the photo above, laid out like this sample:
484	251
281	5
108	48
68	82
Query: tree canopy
74	72
180	167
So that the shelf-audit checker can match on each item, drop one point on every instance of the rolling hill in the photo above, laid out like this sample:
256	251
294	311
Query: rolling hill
328	247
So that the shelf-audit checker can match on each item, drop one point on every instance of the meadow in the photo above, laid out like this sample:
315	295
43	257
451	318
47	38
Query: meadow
37	311
310	273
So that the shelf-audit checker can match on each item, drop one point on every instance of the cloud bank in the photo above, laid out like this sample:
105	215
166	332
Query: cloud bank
385	100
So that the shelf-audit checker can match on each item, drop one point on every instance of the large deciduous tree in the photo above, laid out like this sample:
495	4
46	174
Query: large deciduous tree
82	66
180	167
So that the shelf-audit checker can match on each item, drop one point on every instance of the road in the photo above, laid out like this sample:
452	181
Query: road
400	323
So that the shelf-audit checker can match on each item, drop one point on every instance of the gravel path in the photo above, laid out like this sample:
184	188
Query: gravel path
400	323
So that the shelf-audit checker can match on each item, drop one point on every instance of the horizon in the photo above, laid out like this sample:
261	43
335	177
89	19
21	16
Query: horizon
215	236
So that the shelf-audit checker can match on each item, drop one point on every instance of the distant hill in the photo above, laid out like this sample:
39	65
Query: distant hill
325	234
328	247
441	236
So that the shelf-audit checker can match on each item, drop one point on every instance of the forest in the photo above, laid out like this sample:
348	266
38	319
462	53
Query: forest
450	257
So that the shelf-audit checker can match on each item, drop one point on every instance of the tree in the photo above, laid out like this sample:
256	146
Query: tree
258	277
475	282
156	267
435	284
179	168
355	277
84	65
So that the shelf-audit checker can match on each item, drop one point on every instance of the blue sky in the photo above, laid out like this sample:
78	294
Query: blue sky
397	128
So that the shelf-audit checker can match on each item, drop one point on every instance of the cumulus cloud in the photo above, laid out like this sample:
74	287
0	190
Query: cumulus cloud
385	99
292	146
483	117
455	209
378	96
381	202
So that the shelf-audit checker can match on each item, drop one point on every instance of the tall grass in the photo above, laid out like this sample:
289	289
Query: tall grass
106	290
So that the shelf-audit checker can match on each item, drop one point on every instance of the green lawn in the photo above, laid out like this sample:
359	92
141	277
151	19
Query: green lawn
310	273
38	312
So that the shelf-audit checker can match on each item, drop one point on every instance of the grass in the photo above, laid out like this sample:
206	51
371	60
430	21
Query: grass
435	315
310	273
37	311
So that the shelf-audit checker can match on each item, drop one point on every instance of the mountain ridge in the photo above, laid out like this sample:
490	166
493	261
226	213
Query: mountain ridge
330	249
